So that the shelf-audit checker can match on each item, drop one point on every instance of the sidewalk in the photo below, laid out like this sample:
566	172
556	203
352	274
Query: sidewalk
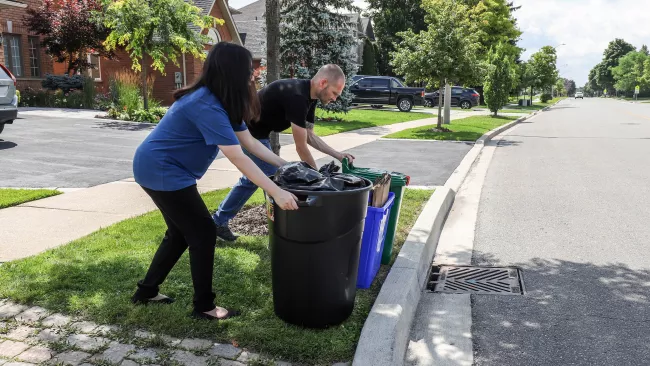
60	112
36	226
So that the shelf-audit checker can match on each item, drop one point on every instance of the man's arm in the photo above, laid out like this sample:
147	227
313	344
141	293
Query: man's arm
256	148
300	137
320	145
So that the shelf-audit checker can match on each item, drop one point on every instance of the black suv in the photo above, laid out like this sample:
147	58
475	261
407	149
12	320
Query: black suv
386	90
461	97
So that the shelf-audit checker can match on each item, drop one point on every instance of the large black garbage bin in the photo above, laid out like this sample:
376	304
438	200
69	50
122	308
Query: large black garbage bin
315	256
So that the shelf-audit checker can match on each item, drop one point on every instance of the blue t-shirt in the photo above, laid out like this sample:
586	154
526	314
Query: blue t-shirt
184	143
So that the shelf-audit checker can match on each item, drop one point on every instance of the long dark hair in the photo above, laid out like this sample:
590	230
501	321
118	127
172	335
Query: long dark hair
227	74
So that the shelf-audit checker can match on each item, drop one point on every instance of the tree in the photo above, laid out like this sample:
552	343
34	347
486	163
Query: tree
543	68
495	24
446	50
69	31
630	71
569	86
369	66
273	55
312	35
613	53
391	17
560	90
526	79
500	78
161	30
644	50
592	80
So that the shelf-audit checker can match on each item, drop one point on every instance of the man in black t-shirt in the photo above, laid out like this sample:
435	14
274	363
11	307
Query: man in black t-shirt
285	103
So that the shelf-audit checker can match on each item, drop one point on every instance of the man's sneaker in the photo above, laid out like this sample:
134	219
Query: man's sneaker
224	233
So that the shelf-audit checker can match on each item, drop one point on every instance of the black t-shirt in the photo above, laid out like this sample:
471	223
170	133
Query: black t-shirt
283	102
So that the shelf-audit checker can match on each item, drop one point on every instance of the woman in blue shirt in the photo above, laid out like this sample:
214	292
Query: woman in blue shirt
206	118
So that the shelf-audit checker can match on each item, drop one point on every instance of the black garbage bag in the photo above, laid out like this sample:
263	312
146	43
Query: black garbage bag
296	174
329	168
300	176
349	180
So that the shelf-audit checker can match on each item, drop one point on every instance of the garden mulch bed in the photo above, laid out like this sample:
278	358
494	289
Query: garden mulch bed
251	222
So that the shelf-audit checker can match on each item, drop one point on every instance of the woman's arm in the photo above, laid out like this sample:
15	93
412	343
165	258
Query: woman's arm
258	149
284	199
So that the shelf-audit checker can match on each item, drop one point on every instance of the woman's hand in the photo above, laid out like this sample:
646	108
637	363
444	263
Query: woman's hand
285	200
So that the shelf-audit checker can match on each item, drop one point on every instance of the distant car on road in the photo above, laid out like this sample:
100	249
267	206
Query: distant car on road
465	98
386	90
579	95
8	98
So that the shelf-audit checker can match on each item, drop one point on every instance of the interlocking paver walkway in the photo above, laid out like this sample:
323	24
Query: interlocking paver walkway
57	339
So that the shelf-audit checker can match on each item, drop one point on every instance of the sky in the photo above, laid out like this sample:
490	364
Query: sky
585	27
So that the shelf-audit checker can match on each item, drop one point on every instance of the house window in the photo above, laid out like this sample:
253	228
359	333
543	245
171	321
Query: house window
34	59
96	71
13	60
214	36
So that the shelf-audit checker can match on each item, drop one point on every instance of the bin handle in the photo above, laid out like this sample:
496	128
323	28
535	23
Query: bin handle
311	201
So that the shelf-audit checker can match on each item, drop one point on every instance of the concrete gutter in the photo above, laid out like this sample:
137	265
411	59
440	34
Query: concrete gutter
385	334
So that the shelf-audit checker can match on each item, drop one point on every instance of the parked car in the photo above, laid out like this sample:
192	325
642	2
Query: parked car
386	90
579	95
460	97
8	98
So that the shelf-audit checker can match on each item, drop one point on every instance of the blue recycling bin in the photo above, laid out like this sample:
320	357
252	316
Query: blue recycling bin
372	242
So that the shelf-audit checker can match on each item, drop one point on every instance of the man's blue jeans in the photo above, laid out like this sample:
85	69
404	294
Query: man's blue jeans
242	191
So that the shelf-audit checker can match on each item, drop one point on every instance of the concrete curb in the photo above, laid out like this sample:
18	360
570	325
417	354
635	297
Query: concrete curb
385	334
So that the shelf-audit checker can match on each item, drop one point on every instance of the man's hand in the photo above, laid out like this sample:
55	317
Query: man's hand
342	156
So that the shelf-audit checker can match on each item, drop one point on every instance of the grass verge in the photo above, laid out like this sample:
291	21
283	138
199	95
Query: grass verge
12	197
333	123
95	276
536	106
466	129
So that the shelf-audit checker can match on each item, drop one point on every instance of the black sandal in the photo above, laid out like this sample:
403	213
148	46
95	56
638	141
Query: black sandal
202	315
142	301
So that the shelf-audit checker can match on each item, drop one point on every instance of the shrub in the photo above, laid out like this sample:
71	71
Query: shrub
153	115
125	89
89	92
75	99
63	82
103	102
545	97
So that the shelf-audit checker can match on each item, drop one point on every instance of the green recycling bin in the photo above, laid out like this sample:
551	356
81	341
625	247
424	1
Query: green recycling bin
397	183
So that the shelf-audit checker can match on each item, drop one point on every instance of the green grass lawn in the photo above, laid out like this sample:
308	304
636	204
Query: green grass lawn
514	111
95	276
466	129
536	106
357	118
12	197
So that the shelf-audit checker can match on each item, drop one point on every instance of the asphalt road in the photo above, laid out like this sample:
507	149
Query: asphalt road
567	198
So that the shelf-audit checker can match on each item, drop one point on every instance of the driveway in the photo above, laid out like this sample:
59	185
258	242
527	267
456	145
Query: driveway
428	163
69	149
38	151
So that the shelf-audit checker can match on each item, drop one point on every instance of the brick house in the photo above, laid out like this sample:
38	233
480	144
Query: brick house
21	51
175	77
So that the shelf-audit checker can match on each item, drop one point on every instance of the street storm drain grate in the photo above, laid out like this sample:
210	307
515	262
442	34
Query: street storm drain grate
476	280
